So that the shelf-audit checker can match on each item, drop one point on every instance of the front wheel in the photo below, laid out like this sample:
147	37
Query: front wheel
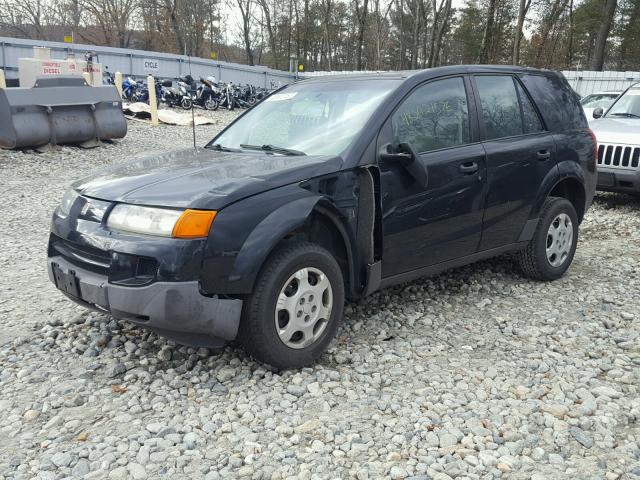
551	250
185	103
293	313
210	104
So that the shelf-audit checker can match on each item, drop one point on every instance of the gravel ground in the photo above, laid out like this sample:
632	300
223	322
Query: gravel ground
475	373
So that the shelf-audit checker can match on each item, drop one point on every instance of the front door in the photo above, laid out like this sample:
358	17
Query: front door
424	226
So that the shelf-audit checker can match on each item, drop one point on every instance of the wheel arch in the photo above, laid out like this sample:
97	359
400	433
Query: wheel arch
312	218
566	181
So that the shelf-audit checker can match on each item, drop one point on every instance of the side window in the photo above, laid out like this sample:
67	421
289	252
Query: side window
530	119
434	116
500	107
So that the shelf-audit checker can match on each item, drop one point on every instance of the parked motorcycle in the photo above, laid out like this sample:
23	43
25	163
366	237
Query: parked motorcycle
129	89
206	94
177	96
226	96
142	92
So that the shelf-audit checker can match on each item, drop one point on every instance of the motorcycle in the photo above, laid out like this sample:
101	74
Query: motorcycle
206	95
129	89
178	95
142	92
226	97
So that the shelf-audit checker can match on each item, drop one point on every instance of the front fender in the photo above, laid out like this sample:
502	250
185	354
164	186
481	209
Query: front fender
265	236
246	230
245	233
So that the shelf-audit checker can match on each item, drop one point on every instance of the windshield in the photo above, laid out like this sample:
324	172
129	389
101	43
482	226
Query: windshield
598	100
308	118
628	105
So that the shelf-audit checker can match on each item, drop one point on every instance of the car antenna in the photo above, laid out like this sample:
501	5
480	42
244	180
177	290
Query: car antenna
193	116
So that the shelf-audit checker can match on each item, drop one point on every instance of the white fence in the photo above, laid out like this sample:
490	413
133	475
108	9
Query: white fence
141	63
583	82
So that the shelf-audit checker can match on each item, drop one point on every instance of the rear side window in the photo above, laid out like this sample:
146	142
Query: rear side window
557	102
500	107
434	116
530	120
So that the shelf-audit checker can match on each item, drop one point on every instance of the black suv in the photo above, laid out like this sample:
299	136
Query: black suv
330	188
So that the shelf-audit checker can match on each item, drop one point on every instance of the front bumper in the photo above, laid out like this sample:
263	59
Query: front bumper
173	309
618	180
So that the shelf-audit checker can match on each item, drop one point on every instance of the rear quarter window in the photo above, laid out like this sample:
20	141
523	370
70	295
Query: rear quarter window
556	101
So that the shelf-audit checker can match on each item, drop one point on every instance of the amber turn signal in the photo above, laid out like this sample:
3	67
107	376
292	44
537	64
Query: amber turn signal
194	224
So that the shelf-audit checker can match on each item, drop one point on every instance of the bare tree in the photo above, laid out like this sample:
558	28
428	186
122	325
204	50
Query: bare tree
523	8
608	12
245	10
483	56
361	15
113	18
27	18
270	30
440	23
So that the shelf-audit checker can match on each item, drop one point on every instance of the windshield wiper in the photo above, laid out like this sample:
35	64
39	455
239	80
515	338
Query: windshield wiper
625	114
272	149
220	148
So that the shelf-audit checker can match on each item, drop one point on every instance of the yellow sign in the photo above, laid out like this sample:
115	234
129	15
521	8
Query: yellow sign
68	39
214	55
301	68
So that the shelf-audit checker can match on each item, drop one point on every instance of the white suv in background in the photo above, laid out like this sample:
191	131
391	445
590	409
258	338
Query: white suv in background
618	135
597	100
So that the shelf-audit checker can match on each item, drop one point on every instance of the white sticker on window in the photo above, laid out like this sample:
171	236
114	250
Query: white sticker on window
634	91
277	97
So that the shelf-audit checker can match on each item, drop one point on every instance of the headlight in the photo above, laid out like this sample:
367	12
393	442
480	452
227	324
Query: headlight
161	221
67	202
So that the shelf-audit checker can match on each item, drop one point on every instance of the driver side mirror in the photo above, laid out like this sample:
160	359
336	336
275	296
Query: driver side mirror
598	112
404	155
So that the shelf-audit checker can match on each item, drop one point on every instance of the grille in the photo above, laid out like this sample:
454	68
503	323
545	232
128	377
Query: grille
618	156
85	257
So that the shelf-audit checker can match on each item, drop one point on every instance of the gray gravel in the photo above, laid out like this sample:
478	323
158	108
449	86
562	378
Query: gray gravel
475	373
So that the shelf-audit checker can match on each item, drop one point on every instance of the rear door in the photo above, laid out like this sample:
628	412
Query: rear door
520	153
423	226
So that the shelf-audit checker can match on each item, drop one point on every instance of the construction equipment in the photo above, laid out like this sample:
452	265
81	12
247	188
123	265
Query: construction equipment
60	110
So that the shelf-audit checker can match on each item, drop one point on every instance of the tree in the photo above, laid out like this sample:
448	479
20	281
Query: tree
517	34
361	16
608	11
483	56
245	10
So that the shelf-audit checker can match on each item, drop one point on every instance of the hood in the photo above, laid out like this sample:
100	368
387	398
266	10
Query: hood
203	178
617	130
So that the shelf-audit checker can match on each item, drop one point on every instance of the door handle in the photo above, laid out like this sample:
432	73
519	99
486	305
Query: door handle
468	168
544	155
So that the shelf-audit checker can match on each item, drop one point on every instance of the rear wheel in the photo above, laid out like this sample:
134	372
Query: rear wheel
550	252
293	313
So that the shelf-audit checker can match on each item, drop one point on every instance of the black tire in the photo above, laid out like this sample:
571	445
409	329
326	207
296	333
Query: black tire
257	332
185	103
533	260
210	104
